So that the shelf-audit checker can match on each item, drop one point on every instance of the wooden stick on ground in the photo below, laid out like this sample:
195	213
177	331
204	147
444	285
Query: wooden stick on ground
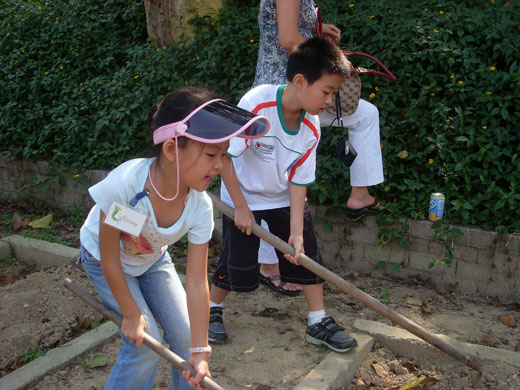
148	340
356	293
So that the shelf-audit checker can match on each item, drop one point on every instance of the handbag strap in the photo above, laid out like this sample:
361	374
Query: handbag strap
385	73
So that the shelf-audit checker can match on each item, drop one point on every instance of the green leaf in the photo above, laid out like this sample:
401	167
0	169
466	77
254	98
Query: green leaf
98	362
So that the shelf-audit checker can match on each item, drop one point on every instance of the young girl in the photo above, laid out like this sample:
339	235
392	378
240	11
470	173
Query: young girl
143	206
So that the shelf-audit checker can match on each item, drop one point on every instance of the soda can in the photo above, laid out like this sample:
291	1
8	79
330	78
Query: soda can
436	210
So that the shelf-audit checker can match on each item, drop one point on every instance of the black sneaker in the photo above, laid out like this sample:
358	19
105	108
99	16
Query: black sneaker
328	333
216	333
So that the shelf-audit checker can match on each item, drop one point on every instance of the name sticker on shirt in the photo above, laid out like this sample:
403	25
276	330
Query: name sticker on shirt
125	219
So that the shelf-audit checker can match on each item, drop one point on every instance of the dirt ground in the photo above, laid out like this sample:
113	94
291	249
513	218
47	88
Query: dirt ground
267	350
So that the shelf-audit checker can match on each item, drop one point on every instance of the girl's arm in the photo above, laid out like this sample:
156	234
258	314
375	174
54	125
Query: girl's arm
197	292
288	20
297	199
133	324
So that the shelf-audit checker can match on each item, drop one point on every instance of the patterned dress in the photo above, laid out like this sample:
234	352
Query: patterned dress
272	57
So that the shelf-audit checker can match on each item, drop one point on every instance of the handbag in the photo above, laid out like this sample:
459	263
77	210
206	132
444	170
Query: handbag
347	99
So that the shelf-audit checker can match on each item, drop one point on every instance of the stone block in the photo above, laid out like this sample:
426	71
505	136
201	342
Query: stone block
419	261
421	229
473	273
436	248
419	244
43	253
363	235
5	250
481	239
468	254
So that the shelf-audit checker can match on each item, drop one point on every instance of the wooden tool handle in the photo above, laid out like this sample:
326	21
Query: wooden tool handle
149	341
355	292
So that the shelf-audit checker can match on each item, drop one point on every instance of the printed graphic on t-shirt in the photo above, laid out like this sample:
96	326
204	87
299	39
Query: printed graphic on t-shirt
263	151
136	245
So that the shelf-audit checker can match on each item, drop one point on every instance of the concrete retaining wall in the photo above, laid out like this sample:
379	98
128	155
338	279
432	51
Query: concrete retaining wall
484	263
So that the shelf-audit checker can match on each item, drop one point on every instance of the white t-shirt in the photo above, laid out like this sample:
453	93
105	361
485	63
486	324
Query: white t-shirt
139	253
267	165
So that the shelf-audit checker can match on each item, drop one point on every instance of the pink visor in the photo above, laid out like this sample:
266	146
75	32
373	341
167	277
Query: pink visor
214	121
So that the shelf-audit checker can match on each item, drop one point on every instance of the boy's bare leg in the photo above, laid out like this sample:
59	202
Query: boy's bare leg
274	269
217	294
314	296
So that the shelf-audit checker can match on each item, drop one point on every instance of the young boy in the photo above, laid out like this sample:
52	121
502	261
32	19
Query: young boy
267	178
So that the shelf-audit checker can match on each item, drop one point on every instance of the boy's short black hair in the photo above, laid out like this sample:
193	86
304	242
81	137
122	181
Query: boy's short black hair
316	57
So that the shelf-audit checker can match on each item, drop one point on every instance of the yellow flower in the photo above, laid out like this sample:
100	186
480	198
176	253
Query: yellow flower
81	84
76	175
164	47
186	82
46	73
452	76
435	30
371	16
426	10
251	41
447	121
461	82
7	34
351	5
432	94
136	76
484	127
158	49
376	88
61	67
77	54
389	11
489	93
492	68
381	146
441	12
57	18
118	121
430	161
372	95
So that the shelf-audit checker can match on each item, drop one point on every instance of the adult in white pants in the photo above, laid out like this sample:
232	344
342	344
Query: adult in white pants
298	19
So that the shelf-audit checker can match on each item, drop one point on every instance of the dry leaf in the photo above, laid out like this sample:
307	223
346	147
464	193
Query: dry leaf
402	154
25	223
490	339
42	222
508	320
417	382
425	308
17	221
413	301
380	371
495	301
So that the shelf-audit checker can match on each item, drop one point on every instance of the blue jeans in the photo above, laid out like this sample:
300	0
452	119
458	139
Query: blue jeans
161	298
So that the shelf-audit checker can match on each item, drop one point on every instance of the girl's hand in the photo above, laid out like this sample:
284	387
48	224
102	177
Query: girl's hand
244	219
199	362
297	244
332	31
133	329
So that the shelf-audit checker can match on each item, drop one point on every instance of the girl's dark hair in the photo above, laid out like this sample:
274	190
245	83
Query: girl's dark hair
174	107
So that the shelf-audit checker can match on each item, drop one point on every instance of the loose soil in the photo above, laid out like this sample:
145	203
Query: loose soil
267	350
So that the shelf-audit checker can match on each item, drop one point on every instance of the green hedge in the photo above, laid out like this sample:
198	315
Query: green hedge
77	80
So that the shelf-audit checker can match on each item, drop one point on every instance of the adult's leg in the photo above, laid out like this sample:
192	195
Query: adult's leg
364	135
135	368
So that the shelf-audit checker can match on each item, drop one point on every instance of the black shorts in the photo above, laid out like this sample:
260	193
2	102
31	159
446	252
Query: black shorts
237	268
